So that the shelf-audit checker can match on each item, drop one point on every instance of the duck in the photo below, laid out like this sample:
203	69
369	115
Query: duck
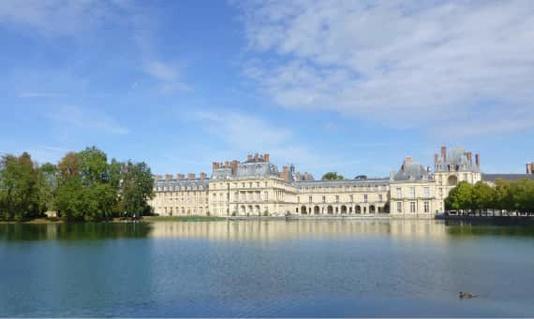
465	295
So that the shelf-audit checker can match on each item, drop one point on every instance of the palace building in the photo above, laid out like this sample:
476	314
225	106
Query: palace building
255	187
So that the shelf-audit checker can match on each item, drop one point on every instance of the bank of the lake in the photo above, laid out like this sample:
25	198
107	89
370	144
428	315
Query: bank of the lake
252	268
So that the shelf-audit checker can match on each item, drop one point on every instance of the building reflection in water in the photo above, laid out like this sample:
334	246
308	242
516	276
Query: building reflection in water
280	230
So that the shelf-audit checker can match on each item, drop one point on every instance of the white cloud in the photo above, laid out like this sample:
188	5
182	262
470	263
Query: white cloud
89	119
168	75
405	63
59	17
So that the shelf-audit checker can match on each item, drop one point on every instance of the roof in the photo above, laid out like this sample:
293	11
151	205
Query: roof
345	182
411	171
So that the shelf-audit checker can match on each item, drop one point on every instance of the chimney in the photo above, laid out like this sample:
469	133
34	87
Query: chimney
233	165
477	160
444	153
529	168
202	176
256	157
285	173
215	165
180	176
249	157
168	177
191	176
469	156
266	157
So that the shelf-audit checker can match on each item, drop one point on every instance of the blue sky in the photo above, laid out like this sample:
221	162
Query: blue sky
348	86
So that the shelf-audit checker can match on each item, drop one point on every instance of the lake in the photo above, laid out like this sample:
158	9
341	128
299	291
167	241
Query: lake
266	268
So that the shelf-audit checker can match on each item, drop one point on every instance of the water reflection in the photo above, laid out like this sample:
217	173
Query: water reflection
281	230
263	230
77	231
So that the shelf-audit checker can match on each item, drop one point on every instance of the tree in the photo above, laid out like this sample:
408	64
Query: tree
484	197
137	186
19	188
332	176
460	197
85	190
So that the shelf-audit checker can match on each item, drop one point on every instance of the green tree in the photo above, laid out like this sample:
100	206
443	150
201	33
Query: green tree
19	188
85	190
332	176
484	197
137	186
460	197
48	184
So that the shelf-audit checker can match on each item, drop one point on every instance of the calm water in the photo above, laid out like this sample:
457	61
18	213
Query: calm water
266	268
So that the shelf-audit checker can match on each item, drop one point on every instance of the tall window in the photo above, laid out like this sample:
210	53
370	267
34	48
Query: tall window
324	199
412	207
399	192
427	192
351	198
310	199
426	206
399	207
337	198
380	197
298	199
365	198
412	192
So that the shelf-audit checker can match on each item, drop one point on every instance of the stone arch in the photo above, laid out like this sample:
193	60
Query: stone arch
330	210
316	210
303	210
372	209
452	180
358	209
343	209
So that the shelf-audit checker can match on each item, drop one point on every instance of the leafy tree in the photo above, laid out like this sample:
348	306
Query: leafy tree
136	188
484	197
460	197
19	188
48	184
332	176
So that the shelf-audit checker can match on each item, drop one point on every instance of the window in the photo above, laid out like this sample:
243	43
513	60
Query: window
426	206
412	192
324	199
337	198
365	198
310	199
351	198
298	199
426	190
399	192
266	196
380	197
412	207
399	207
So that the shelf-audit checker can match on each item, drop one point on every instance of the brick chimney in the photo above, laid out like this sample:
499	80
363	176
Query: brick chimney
444	153
191	176
477	160
469	156
249	157
266	157
202	176
285	173
233	166
168	177
215	165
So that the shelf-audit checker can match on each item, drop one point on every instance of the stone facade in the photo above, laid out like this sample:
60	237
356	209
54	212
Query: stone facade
255	187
